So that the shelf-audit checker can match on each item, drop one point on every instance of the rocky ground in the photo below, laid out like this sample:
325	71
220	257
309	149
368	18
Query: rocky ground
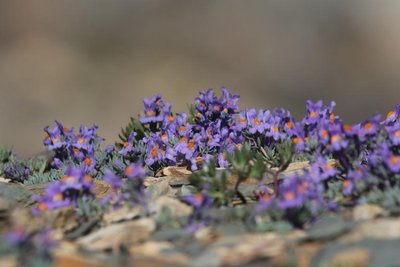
366	235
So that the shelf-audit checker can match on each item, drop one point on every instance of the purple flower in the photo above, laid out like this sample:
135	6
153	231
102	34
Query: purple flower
109	149
157	149
369	128
86	137
197	161
299	191
135	171
200	203
350	130
186	147
322	169
128	146
313	112
154	110
229	101
392	116
15	236
198	200
265	198
299	143
129	191
275	132
74	185
348	187
114	180
292	192
394	133
391	160
337	143
55	137
257	121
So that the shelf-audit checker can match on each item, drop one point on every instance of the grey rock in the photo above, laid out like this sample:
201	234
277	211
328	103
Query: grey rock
328	228
186	190
179	182
241	249
115	235
367	212
367	252
172	235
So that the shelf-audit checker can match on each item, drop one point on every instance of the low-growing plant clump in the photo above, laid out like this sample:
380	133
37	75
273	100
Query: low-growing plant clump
226	149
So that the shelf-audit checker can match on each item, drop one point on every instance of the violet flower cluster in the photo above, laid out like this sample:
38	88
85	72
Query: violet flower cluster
358	158
177	139
128	188
71	147
30	248
72	187
200	202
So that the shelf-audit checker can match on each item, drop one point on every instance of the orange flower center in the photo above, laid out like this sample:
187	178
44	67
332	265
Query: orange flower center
242	120
347	127
55	140
191	144
368	126
42	206
390	114
296	140
332	117
88	178
198	197
150	113
265	197
87	161
154	152
225	110
302	187
58	197
289	195
170	118
394	160
328	166
75	150
128	170
182	128
199	160
257	121
67	178
289	124
217	108
397	133
182	140
275	129
335	138
323	133
238	146
346	183
126	144
81	140
313	114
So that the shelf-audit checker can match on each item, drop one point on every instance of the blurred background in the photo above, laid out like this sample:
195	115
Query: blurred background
93	61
